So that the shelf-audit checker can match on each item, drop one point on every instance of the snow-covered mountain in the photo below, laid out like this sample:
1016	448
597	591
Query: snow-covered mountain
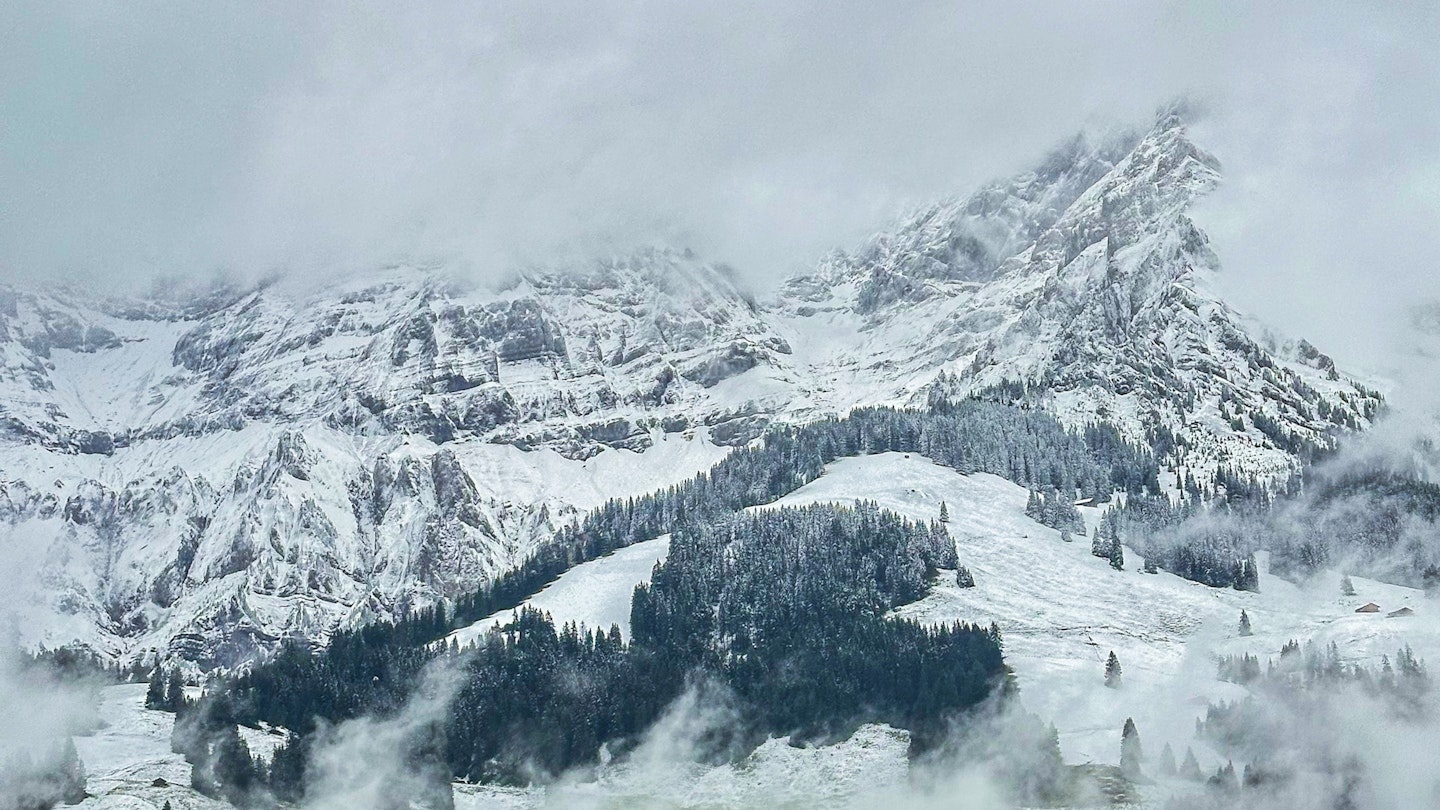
203	474
1086	284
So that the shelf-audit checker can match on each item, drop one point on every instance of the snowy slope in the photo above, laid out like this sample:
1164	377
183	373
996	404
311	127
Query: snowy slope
1061	611
131	750
595	594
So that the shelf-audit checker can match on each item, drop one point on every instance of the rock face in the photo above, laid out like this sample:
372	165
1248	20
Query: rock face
1084	287
202	473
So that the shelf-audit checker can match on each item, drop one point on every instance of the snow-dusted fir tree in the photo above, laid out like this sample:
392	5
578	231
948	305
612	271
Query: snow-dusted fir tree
72	774
1190	768
1150	566
1347	588
1245	623
944	513
1099	546
1117	555
964	578
1247	574
175	690
155	693
1113	673
1131	753
1167	761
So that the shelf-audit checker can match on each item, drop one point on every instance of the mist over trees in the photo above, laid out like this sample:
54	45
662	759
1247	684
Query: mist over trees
43	777
1372	519
1288	737
41	768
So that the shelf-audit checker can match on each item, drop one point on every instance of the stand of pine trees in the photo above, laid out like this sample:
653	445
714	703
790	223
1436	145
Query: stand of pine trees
783	611
1056	510
1028	447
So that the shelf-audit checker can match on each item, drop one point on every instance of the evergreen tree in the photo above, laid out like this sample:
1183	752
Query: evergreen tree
1347	588
1190	769
1131	753
1034	509
964	578
944	513
1117	555
1099	546
1244	623
1065	536
1247	574
175	690
72	774
155	692
1112	671
1167	761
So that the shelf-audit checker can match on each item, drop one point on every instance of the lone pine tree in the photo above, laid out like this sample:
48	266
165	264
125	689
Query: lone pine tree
1099	546
1112	671
155	692
1167	761
1130	751
1190	769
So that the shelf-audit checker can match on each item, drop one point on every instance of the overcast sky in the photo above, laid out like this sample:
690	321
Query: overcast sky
154	138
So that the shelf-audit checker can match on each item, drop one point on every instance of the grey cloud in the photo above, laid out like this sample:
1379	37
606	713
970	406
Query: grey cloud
180	139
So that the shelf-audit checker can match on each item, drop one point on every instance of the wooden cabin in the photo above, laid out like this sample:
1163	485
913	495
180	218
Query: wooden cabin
1369	607
1404	611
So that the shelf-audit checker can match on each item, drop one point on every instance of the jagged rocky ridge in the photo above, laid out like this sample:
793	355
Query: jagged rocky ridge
200	475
